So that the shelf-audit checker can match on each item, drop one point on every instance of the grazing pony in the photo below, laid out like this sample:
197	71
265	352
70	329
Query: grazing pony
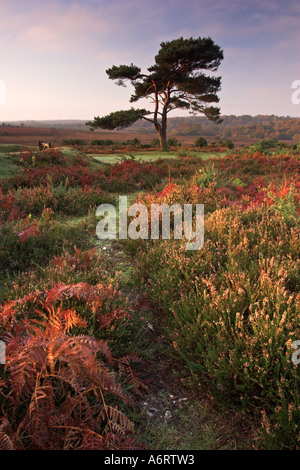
44	145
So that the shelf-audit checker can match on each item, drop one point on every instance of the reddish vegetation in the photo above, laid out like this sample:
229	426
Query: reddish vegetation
31	136
231	309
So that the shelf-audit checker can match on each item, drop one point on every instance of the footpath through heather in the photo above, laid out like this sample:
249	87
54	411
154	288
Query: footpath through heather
170	414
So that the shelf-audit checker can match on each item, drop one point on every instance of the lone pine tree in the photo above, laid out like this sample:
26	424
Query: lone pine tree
176	81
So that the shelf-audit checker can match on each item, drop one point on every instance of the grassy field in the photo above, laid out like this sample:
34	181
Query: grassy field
139	156
193	348
11	148
9	164
151	156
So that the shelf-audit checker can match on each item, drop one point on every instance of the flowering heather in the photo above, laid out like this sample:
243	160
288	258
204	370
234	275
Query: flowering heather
235	310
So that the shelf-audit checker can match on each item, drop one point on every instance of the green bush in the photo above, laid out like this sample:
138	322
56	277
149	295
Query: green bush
102	143
229	144
265	145
172	142
134	142
155	142
201	142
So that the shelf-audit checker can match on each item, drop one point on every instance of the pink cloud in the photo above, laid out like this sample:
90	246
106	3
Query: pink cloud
57	29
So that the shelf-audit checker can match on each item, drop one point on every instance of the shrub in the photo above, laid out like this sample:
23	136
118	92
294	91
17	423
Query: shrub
134	141
74	142
229	144
172	142
102	143
265	145
155	142
201	142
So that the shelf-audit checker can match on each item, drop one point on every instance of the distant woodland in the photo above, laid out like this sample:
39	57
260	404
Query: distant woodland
232	127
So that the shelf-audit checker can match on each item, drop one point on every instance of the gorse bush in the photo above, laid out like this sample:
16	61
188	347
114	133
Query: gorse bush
206	176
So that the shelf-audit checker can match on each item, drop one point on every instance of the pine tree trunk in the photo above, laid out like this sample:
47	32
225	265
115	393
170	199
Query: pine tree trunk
162	132
163	141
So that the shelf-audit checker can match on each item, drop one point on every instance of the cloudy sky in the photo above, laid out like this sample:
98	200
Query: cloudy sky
53	55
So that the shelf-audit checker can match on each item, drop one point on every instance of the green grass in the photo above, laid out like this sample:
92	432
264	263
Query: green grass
140	156
9	159
207	156
7	148
182	433
150	156
74	153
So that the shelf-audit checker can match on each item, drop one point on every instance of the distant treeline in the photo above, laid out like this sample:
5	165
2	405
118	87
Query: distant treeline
232	127
75	124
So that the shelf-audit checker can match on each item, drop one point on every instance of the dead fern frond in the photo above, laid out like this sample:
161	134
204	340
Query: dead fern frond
119	422
5	442
62	389
108	318
92	441
127	371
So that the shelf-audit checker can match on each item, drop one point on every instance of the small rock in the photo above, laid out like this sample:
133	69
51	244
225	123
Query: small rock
150	326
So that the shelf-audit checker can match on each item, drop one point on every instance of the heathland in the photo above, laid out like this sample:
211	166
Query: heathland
134	344
243	130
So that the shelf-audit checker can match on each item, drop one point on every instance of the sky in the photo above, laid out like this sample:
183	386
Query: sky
53	55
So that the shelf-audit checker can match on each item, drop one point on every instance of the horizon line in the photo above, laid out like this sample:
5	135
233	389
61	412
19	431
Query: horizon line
171	117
